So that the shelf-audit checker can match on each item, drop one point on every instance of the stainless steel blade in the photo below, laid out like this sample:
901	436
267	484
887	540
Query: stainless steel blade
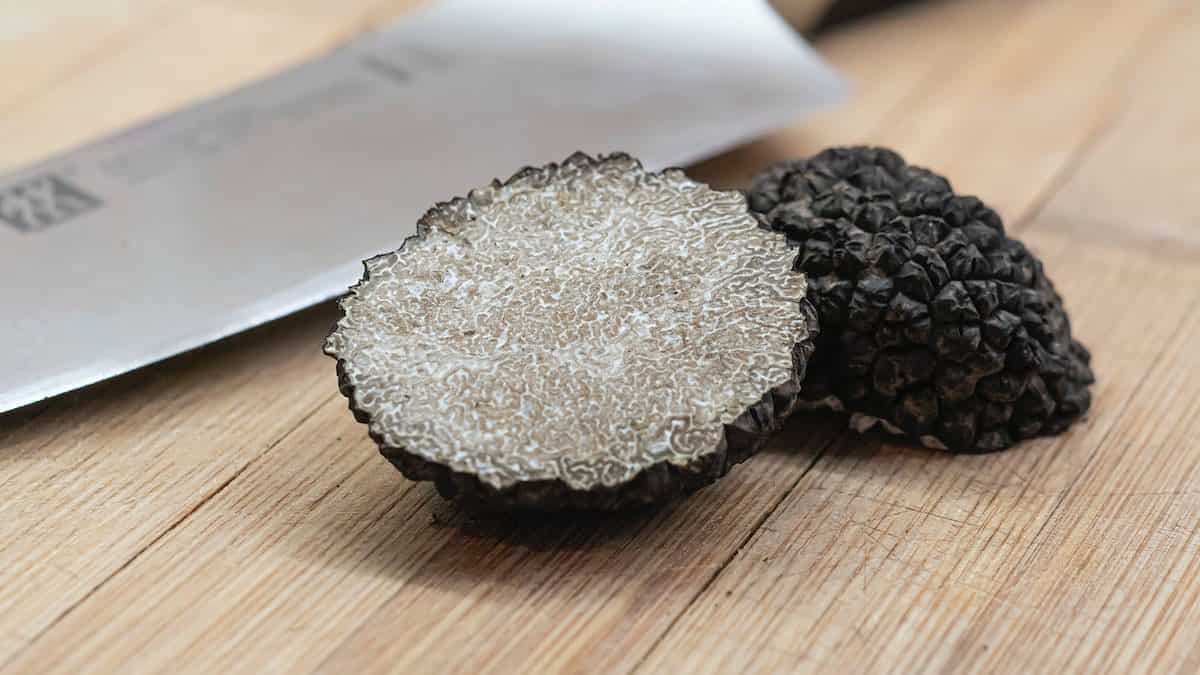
244	208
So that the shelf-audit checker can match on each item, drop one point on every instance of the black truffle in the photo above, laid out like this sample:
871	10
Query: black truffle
933	321
586	334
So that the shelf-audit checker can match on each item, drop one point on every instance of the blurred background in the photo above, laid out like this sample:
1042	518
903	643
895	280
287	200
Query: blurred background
78	69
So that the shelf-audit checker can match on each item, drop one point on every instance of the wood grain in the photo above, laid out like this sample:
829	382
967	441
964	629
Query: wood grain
1040	559
45	45
223	512
199	487
90	486
162	55
1129	191
1007	120
888	78
887	556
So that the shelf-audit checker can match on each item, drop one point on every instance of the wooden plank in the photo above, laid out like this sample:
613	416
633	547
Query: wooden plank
382	641
96	431
1076	553
291	523
1128	191
89	486
200	51
885	555
1005	116
312	540
44	42
1112	581
281	582
1012	121
343	13
888	78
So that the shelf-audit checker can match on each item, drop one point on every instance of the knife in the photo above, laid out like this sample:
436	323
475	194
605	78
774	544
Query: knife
244	208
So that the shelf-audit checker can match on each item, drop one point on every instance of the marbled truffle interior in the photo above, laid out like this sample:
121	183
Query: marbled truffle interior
581	322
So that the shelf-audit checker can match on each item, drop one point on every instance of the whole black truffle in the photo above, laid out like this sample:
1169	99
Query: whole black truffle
933	321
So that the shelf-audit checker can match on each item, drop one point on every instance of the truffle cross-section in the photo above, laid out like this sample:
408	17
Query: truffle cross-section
585	334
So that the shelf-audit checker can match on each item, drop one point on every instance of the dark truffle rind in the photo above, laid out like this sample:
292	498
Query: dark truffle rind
933	321
656	482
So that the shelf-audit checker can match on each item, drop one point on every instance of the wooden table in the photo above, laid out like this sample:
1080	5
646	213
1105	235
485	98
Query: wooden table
223	511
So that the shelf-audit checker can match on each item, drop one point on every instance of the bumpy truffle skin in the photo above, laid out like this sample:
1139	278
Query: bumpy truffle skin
933	321
502	356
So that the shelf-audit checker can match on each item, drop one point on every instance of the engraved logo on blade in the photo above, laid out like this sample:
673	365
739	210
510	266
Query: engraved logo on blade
42	201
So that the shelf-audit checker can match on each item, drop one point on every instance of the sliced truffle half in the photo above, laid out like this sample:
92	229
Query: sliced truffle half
586	334
934	322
